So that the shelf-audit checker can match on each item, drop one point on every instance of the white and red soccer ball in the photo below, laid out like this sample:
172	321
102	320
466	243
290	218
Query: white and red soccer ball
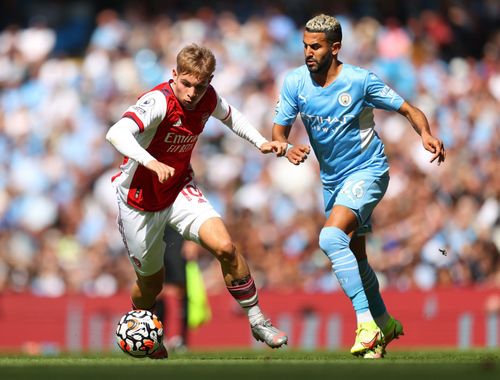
139	333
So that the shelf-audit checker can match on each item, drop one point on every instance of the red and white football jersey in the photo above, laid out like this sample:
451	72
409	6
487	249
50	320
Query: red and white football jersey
169	133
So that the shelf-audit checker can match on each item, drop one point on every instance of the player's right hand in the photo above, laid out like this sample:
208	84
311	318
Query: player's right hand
164	172
298	153
435	146
277	147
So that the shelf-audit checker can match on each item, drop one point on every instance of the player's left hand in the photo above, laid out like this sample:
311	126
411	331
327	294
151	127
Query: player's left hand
297	154
435	146
277	147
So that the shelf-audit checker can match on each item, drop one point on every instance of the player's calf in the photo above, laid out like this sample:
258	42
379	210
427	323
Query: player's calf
245	293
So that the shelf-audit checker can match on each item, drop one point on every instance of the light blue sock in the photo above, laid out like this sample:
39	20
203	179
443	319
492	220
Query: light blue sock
371	286
335	244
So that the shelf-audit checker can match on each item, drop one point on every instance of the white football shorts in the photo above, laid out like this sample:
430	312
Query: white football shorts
142	231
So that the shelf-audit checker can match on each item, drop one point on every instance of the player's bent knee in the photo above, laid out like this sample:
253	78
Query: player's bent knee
225	251
333	239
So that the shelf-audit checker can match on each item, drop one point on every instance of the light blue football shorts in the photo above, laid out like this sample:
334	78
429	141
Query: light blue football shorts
361	192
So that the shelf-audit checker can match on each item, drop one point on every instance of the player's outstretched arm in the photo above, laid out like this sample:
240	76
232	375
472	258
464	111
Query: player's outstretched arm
420	124
239	124
277	147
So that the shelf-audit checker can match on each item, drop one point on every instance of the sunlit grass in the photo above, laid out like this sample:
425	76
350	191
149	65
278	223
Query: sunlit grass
258	365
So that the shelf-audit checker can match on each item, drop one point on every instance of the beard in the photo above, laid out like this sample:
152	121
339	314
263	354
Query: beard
319	67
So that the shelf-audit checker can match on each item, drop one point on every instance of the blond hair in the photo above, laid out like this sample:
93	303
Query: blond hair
325	24
196	60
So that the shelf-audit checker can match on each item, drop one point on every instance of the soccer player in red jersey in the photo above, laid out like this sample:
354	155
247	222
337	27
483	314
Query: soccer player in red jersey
155	186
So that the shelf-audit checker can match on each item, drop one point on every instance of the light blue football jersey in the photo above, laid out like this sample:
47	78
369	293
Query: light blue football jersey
339	119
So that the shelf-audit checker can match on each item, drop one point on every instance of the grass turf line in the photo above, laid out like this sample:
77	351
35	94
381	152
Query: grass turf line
259	365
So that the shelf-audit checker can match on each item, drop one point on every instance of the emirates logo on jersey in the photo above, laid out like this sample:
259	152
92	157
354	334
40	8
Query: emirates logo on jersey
179	143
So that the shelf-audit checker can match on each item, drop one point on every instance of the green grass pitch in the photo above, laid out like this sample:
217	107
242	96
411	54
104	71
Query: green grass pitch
258	365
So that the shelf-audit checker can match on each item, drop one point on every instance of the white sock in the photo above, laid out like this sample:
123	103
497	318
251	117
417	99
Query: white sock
365	316
254	314
382	320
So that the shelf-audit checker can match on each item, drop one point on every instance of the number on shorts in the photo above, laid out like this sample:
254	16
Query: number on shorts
191	191
356	189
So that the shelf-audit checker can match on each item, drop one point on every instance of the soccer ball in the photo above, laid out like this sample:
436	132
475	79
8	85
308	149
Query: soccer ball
139	333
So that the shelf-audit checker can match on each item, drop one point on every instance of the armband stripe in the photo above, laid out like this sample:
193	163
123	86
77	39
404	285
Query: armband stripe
228	114
136	119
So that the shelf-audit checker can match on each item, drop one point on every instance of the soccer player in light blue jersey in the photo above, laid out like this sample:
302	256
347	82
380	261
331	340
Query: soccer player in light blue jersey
335	101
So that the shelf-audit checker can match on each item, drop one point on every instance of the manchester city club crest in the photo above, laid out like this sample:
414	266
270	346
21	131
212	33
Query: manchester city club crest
345	99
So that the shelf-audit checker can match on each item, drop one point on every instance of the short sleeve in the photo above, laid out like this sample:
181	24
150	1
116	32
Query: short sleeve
222	110
379	95
149	110
286	109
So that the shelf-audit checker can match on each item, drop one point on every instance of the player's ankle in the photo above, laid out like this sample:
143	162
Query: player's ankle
383	320
256	319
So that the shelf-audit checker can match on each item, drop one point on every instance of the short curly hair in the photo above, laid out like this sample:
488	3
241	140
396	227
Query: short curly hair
325	24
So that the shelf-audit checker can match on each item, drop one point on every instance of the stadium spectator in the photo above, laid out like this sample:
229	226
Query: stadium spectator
55	111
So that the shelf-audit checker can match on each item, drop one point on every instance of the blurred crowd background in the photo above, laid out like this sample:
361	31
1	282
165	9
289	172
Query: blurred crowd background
68	70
